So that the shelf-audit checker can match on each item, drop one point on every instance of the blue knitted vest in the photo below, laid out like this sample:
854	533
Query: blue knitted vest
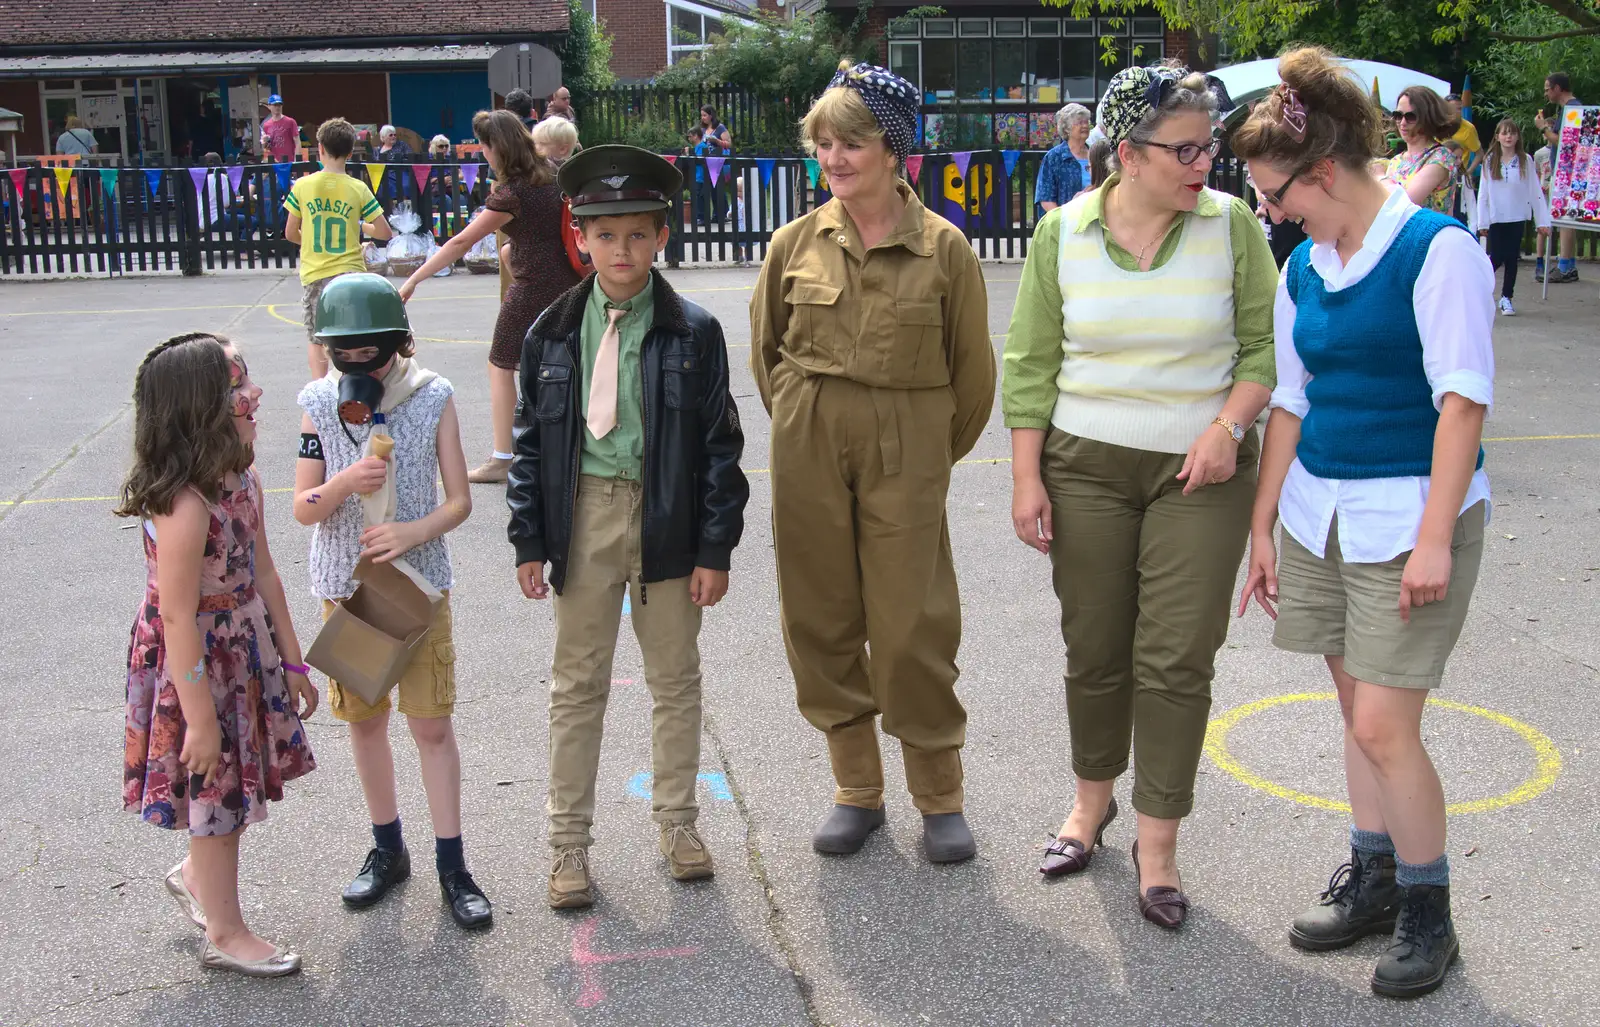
1372	412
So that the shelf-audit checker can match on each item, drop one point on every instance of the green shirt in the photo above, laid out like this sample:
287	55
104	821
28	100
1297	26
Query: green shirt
621	453
1033	346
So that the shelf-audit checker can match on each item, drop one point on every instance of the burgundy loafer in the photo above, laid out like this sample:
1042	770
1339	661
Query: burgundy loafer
1161	905
1068	855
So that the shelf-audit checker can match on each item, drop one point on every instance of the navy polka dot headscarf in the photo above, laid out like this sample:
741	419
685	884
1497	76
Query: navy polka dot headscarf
892	101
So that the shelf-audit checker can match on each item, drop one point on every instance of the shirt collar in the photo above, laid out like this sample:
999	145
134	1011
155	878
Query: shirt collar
639	301
908	231
1394	213
1094	204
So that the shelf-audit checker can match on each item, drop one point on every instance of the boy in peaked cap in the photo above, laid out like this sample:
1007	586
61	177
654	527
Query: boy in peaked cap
626	479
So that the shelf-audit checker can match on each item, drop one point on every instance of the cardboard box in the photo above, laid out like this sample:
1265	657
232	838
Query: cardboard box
369	638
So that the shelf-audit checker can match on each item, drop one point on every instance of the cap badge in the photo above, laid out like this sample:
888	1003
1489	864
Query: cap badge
615	181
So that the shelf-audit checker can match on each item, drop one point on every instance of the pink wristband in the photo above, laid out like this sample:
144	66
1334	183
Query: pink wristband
298	668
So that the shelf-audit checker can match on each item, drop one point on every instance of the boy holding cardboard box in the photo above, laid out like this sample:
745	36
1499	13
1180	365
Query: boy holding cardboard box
374	440
626	477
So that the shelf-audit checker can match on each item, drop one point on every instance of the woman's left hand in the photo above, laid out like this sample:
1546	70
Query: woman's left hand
1212	459
1426	578
302	694
384	542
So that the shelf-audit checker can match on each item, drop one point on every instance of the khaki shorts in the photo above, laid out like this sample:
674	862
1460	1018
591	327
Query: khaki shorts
1333	608
428	688
308	304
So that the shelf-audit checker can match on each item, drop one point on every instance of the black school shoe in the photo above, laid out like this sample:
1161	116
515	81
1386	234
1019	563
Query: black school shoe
469	907
1362	899
1424	945
846	828
383	869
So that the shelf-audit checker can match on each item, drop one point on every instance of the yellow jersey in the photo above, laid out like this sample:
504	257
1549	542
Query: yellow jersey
331	208
1467	136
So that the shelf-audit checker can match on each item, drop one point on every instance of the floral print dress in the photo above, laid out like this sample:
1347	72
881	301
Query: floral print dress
263	741
1404	165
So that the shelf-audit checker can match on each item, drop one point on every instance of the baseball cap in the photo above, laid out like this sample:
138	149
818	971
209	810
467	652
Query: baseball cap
273	100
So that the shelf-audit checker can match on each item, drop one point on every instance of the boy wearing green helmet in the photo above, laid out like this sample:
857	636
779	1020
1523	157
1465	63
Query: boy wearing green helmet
375	438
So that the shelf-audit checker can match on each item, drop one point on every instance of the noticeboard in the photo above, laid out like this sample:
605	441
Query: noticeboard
1575	181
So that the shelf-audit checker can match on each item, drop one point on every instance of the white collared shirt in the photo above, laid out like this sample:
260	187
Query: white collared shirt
1453	301
1515	196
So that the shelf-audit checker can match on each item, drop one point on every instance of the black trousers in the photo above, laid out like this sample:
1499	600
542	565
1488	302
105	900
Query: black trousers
1505	250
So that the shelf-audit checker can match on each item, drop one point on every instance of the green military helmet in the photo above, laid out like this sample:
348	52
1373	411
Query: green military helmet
360	304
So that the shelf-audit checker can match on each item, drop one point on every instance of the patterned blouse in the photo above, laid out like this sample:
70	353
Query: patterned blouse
1442	199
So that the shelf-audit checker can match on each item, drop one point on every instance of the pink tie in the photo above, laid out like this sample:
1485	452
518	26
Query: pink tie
603	390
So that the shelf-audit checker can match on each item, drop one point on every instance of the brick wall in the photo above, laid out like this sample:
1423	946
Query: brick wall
639	36
1180	44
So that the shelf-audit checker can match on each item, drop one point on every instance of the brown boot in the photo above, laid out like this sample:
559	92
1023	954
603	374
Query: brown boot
687	856
492	472
857	765
570	886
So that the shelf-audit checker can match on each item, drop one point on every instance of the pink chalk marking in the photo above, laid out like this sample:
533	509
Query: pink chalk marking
587	959
622	681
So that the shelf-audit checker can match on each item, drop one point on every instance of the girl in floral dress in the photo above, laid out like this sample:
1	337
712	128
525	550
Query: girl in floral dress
216	692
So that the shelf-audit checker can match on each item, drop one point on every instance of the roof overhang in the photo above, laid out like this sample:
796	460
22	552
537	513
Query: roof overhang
244	62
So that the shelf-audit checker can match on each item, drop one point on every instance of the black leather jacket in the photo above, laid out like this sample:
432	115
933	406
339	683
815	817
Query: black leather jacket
694	491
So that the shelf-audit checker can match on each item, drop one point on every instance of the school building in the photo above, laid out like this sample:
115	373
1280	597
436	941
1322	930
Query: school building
170	82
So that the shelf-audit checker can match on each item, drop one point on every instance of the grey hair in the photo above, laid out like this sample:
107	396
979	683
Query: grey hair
1065	117
386	131
436	140
1190	94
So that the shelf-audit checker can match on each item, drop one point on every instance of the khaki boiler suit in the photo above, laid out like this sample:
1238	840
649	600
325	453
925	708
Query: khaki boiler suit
877	369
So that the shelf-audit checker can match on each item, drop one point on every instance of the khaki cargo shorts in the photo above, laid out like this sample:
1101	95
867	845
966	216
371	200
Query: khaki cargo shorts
308	304
1333	608
428	688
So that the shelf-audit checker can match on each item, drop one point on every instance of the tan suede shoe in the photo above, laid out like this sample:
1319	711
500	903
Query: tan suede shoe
570	887
687	855
492	472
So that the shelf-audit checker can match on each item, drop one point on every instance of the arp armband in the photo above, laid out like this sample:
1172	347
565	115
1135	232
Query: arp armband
311	446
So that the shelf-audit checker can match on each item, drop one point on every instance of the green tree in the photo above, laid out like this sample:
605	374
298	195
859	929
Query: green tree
585	56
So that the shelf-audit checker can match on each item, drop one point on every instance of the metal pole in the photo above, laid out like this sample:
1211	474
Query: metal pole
255	114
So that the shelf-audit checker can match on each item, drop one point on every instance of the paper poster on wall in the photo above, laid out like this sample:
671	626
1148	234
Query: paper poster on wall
243	105
102	111
1575	181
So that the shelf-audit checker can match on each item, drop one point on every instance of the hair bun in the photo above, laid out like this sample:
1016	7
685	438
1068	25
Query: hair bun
845	64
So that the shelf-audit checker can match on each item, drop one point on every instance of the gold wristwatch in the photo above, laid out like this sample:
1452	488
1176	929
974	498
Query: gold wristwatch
1235	429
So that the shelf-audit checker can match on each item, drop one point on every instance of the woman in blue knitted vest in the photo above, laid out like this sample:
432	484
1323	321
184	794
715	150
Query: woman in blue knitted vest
1372	462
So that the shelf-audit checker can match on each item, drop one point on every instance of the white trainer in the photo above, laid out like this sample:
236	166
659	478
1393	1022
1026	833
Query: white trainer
1506	308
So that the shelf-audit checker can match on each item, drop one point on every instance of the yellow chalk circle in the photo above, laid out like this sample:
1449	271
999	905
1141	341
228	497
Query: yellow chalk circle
1547	758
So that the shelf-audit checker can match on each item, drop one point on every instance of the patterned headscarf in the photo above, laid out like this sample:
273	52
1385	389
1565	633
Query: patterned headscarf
1135	92
891	99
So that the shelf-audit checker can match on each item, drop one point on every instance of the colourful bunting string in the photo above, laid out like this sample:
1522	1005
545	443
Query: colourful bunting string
63	179
199	177
375	175
19	179
1010	157
812	170
469	176
714	168
420	173
108	181
283	171
914	166
963	161
153	177
235	176
766	164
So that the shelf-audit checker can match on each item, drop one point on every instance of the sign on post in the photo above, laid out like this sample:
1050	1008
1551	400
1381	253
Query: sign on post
526	66
1575	180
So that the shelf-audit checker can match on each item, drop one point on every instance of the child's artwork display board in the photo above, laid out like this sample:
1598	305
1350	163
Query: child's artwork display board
1575	181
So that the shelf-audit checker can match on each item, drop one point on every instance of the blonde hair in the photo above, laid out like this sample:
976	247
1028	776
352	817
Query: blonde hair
437	141
556	131
841	114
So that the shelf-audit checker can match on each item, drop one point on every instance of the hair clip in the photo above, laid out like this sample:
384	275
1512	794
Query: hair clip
1292	113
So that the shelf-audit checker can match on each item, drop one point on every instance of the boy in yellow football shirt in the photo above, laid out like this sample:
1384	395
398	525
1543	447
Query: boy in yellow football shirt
338	209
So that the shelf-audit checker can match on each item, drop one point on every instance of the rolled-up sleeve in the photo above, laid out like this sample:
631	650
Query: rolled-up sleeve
1253	297
1454	303
1033	342
1290	394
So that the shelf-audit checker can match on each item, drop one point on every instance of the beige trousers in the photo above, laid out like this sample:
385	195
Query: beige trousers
604	562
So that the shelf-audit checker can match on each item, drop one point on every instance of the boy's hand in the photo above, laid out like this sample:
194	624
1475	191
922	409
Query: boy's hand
385	542
366	475
707	587
531	577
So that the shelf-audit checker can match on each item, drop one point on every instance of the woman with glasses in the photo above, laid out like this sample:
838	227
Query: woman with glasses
1426	169
1139	355
1372	462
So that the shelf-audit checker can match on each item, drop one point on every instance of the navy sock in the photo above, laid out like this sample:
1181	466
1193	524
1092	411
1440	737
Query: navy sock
448	855
387	836
1565	264
1371	843
1436	873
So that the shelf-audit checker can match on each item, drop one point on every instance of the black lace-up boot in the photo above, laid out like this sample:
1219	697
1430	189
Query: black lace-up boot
1362	898
1424	944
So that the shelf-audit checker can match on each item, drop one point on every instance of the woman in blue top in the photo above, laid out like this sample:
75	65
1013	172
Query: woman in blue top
1372	462
1064	172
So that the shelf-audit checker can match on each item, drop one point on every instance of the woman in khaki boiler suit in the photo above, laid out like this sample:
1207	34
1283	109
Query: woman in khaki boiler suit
870	345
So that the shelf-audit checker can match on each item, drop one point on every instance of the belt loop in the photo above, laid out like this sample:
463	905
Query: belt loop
886	403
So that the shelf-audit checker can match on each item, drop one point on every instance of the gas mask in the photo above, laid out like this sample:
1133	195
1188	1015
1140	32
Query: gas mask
359	392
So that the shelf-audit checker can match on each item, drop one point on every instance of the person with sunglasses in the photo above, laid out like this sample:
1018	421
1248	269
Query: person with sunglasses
1427	169
1139	354
1373	464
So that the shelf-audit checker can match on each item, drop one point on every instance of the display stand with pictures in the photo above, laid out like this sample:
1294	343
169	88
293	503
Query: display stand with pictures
1575	180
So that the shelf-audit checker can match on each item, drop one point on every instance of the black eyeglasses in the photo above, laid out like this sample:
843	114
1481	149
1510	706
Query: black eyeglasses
1188	153
1403	115
1276	198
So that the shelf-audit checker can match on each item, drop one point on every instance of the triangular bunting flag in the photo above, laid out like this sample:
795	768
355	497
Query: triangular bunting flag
19	179
235	176
375	175
1010	157
469	176
963	160
108	181
420	173
914	166
812	168
283	171
671	158
63	178
766	164
199	176
714	168
153	176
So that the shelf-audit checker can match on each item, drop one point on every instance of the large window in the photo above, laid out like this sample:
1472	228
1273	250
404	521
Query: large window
689	30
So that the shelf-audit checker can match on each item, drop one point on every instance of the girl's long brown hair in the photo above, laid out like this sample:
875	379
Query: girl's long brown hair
514	154
183	432
1494	149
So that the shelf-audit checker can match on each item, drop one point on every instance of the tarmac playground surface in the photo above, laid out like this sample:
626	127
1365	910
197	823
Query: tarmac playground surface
781	937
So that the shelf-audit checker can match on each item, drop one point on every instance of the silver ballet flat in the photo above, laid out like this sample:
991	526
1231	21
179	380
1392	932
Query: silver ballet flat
279	964
185	898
